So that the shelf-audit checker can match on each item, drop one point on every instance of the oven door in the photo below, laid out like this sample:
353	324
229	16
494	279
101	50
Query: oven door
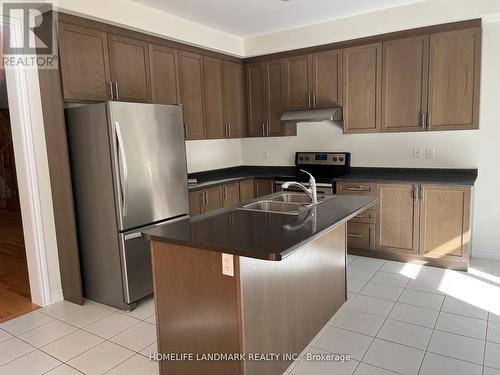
321	188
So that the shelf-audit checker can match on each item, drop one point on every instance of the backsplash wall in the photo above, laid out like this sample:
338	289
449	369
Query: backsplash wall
213	154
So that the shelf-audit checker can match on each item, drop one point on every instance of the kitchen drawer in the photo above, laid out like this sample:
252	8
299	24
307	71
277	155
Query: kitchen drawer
360	236
356	188
368	217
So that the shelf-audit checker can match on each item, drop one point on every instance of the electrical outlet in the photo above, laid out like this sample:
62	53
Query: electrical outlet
267	154
430	153
227	264
417	152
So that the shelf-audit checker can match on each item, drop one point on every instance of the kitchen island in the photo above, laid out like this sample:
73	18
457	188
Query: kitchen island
254	287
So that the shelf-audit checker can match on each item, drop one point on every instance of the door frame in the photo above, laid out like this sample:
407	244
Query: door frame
25	114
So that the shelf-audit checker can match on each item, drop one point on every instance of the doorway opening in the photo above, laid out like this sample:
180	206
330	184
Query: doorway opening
15	296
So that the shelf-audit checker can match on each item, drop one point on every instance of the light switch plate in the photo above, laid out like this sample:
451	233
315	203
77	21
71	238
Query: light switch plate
417	152
430	153
227	264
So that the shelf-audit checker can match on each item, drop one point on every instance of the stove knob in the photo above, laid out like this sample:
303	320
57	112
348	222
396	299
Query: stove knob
301	158
334	159
307	158
341	159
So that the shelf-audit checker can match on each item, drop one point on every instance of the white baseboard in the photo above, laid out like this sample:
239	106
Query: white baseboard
56	296
486	254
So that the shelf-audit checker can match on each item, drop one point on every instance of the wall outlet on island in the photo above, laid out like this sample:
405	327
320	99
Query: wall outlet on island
227	264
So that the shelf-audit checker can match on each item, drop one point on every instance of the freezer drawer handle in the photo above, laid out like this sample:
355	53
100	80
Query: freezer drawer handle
122	161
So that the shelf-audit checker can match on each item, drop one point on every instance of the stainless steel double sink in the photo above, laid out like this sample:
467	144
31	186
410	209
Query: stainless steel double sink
284	203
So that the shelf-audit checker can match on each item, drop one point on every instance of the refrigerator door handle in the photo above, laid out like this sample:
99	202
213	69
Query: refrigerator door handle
122	161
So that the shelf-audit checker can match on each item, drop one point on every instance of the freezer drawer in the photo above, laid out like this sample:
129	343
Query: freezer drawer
136	266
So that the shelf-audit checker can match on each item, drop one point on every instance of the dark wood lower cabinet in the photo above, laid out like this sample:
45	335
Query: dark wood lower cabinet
206	200
263	187
233	315
429	224
247	191
230	194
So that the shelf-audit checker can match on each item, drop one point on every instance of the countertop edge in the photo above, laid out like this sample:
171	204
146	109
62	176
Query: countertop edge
250	254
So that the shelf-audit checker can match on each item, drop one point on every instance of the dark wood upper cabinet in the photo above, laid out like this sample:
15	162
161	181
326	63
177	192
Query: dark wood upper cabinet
129	61
255	74
404	84
297	82
327	79
265	99
273	107
212	81
233	94
362	76
164	74
84	63
454	75
191	87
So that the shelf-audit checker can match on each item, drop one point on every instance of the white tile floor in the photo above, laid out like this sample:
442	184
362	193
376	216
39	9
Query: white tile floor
400	319
67	339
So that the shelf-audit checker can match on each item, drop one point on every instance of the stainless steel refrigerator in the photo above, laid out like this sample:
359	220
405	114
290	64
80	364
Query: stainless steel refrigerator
128	167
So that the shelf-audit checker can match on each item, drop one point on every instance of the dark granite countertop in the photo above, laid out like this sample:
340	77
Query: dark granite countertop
362	174
412	175
261	235
220	176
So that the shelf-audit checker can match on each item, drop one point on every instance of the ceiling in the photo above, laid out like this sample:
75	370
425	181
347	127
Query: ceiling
246	18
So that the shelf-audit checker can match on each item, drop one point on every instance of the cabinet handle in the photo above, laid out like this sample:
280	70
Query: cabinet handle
422	120
111	89
421	193
354	235
361	216
225	193
228	130
308	100
116	90
263	128
206	198
267	128
360	188
428	122
415	192
314	100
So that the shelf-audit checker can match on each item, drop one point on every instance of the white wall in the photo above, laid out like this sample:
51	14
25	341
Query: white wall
133	15
420	14
213	154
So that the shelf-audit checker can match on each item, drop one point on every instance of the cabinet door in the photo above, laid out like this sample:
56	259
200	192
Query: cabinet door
191	81
273	98
246	191
212	80
84	63
327	79
130	69
297	88
263	187
255	98
233	99
230	194
404	84
444	221
398	218
195	202
164	74
212	199
454	70
362	76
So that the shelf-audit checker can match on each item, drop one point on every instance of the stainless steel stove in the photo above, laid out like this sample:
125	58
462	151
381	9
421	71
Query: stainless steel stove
324	166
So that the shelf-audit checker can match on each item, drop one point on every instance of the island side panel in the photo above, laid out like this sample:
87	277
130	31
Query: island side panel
197	308
286	303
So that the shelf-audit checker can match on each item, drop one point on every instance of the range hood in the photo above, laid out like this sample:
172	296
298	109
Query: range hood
313	115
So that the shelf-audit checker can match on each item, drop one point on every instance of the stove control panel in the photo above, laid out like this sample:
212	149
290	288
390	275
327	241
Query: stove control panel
323	158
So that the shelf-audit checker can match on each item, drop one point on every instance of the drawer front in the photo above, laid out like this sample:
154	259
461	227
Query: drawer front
367	217
356	188
360	236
